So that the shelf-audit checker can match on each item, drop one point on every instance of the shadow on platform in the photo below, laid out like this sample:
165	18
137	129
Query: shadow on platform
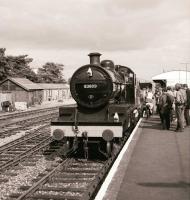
180	184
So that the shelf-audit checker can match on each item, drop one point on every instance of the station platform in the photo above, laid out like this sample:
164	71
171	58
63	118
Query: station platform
155	165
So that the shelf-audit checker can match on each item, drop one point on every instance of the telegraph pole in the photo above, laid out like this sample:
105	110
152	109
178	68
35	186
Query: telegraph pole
185	69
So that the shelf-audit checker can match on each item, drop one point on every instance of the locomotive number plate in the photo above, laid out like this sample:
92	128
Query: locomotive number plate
86	86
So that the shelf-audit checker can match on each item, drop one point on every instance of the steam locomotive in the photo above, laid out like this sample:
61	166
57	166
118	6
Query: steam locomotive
106	107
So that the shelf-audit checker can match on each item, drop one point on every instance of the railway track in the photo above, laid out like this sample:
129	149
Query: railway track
22	114
13	127
20	120
22	159
71	179
17	150
65	179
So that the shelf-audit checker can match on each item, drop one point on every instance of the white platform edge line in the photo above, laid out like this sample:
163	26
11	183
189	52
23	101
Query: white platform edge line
113	169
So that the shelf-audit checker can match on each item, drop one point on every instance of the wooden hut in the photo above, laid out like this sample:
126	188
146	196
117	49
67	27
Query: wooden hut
21	90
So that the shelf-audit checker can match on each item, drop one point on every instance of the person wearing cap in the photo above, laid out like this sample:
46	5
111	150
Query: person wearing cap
180	105
187	106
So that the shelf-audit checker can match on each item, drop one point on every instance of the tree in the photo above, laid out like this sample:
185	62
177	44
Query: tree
5	69
20	67
51	73
16	66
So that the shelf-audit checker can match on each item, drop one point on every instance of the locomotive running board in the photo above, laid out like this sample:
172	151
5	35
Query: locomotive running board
93	129
60	123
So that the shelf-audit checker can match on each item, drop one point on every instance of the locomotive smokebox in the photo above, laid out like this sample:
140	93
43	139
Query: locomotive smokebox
94	58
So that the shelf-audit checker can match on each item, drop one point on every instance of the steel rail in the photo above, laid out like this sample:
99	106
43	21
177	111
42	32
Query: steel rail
38	184
25	113
22	156
22	139
27	119
86	193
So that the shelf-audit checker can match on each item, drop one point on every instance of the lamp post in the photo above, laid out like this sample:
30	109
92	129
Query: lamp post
185	69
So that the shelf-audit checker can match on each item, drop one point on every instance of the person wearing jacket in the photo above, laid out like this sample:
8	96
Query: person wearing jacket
187	106
180	106
165	109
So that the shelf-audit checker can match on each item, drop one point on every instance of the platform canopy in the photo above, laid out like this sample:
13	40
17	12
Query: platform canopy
172	77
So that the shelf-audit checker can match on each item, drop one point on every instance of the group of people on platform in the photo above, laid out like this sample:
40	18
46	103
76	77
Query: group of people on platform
171	102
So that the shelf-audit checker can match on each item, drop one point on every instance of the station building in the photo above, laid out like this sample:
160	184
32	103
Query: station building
55	92
170	78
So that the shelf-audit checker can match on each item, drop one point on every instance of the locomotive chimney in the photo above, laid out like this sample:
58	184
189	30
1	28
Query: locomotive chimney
94	58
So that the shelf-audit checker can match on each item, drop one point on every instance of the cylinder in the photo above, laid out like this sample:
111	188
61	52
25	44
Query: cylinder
94	58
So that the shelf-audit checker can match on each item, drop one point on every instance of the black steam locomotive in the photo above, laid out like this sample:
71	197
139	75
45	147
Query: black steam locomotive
106	106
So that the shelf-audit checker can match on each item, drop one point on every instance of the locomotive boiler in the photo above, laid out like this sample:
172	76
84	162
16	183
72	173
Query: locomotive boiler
105	110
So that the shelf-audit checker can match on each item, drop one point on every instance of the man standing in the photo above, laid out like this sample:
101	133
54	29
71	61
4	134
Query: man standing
180	105
165	109
171	102
157	97
187	106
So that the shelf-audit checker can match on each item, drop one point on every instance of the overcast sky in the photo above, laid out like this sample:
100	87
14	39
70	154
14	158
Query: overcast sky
149	36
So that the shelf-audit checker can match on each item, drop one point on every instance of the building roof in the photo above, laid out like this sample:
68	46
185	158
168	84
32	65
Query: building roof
53	86
24	83
173	77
